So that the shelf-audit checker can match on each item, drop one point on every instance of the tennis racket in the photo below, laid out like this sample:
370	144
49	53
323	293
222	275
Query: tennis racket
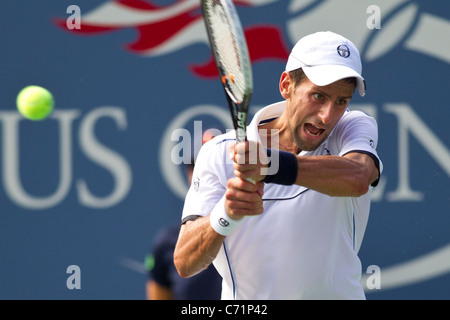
229	47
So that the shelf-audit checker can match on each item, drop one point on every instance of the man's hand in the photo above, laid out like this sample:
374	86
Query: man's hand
249	159
243	198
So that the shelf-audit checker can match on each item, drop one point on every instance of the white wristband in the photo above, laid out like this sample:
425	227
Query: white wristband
220	221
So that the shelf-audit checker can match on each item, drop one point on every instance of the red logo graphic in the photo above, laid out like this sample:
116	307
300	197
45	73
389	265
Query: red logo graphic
165	29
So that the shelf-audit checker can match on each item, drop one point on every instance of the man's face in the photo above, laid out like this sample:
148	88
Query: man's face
313	111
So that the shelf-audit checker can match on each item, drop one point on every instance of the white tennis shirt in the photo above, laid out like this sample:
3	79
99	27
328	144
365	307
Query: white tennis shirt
305	244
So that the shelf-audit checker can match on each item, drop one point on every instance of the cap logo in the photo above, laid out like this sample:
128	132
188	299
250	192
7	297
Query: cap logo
343	51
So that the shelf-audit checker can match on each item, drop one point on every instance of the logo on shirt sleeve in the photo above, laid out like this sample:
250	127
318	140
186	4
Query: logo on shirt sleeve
196	184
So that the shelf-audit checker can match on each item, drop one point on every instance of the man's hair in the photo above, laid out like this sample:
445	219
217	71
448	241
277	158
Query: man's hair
298	75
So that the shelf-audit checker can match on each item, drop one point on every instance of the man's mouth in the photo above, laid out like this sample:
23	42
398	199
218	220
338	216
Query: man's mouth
313	130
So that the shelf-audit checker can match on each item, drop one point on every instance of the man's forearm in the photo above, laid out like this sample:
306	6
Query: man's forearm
198	245
348	176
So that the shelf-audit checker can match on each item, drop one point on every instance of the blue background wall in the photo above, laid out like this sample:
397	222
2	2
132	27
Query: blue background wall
91	185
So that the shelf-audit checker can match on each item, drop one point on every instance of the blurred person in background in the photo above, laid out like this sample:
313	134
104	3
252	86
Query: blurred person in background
163	280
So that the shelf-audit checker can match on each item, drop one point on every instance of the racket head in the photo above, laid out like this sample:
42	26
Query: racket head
229	47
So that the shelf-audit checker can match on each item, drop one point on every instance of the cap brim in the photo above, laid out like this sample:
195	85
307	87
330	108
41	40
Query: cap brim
328	74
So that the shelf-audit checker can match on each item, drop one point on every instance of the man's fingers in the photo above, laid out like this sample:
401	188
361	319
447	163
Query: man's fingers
253	174
249	152
243	185
244	198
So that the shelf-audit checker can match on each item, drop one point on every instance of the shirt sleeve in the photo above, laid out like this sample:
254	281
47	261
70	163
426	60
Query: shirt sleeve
358	132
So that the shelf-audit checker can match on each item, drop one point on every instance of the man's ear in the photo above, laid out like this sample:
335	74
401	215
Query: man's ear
285	82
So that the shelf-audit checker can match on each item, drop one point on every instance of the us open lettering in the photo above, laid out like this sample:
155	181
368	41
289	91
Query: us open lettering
90	146
409	124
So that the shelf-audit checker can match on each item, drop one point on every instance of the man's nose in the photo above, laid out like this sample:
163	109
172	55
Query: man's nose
326	112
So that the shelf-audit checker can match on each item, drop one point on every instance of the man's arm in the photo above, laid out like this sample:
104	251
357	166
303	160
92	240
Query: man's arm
347	176
198	243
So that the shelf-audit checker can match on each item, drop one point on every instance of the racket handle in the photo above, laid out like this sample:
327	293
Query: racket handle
251	180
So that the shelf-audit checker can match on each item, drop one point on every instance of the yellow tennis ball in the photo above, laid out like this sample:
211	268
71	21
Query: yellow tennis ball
35	103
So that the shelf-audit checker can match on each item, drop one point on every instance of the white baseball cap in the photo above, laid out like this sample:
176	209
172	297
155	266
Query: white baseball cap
327	57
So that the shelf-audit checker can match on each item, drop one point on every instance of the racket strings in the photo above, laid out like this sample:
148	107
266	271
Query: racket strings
227	52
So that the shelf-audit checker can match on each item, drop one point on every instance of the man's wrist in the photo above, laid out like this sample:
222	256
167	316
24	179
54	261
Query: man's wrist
287	168
220	221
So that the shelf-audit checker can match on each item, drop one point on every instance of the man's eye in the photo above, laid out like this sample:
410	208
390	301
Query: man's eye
341	102
318	96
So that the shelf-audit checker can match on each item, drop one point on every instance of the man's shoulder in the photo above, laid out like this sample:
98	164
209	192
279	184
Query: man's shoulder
356	114
352	117
215	151
223	139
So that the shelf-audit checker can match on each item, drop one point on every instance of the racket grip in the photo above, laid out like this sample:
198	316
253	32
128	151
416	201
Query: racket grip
251	180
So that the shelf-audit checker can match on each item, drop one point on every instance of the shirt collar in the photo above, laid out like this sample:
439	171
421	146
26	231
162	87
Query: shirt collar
272	111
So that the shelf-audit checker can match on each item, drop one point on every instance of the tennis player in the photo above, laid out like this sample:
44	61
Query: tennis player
296	232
